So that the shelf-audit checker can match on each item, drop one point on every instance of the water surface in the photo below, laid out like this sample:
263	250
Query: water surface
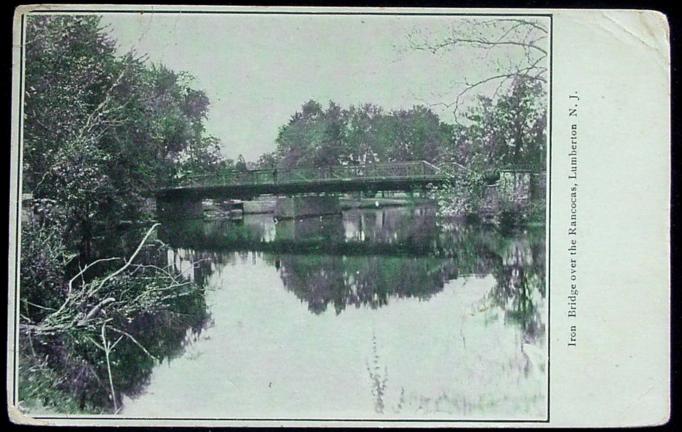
376	313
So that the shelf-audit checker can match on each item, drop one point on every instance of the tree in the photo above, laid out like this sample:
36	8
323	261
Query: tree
518	47
362	139
315	137
267	161
69	63
505	133
415	134
102	130
202	157
241	164
504	122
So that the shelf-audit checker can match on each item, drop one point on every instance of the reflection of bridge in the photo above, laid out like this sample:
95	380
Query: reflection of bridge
330	236
324	236
397	176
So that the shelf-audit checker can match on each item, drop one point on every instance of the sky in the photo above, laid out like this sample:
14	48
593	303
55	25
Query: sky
258	70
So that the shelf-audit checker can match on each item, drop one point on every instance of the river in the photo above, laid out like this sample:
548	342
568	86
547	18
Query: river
376	313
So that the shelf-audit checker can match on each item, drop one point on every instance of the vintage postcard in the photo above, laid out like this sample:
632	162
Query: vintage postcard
280	216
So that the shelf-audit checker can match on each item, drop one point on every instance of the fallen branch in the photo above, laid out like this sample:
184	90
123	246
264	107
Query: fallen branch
80	274
130	261
95	310
129	336
107	349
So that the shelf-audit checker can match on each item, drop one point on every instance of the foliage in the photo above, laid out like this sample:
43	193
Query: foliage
520	282
39	388
202	158
462	196
342	281
44	259
267	161
507	132
84	323
240	165
313	137
101	130
504	124
316	137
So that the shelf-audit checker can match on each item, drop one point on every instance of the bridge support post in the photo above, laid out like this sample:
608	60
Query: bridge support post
179	208
303	206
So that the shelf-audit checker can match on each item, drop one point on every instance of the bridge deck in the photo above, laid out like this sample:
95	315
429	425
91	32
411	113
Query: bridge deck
395	176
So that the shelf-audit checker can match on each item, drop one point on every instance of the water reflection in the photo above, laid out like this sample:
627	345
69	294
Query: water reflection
362	281
365	257
520	286
392	231
406	315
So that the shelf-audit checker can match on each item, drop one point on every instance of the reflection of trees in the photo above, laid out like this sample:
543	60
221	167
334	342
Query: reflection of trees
520	285
366	256
387	231
202	235
198	266
164	334
321	229
321	280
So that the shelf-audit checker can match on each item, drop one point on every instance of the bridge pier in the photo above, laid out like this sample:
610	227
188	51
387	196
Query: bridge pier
303	206
179	208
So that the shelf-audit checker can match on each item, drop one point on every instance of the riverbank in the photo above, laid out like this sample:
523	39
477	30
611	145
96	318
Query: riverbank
82	348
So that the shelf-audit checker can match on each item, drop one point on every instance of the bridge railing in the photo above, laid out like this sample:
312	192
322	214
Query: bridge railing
417	169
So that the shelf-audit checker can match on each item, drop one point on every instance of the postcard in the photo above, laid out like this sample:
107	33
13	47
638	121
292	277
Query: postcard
296	216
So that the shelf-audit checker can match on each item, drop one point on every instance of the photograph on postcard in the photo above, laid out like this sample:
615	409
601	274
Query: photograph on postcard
265	215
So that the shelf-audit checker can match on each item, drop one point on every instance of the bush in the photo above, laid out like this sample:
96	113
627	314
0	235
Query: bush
95	322
44	258
460	197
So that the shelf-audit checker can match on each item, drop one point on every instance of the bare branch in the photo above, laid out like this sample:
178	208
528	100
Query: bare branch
129	336
497	36
80	274
525	22
107	349
128	262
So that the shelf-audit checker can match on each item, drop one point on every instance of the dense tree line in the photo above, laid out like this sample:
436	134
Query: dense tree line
508	131
316	136
101	129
